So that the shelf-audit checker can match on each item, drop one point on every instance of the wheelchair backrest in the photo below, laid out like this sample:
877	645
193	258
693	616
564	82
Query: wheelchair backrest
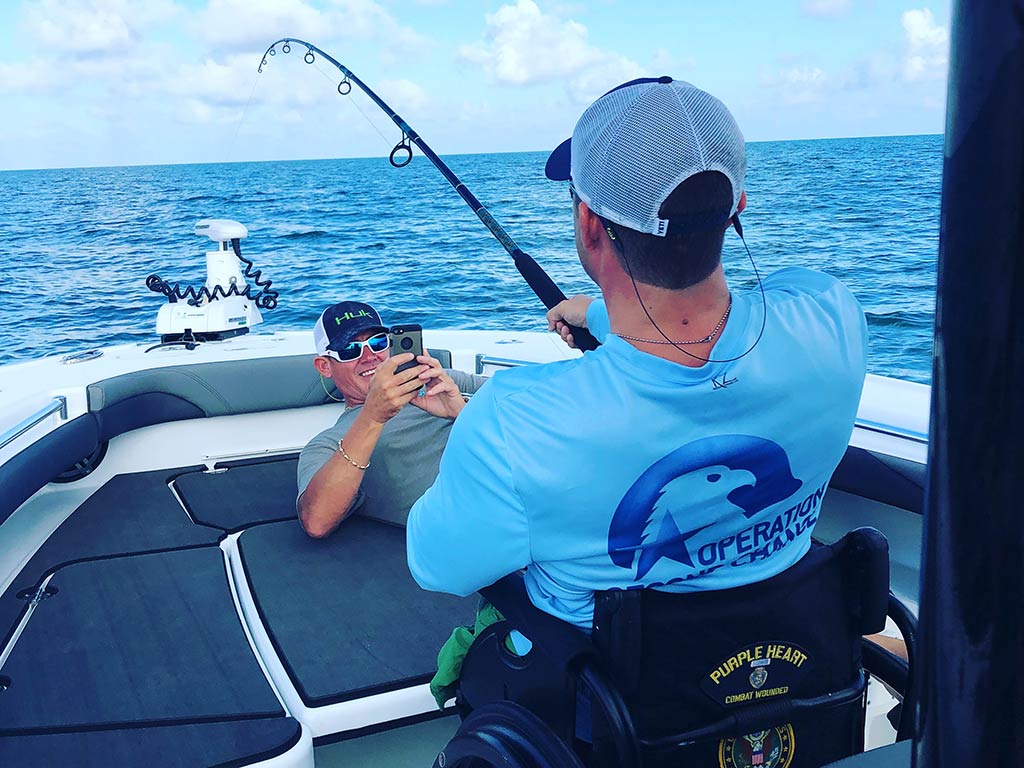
684	660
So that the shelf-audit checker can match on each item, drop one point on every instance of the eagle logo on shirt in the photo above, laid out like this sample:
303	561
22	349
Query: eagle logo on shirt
644	528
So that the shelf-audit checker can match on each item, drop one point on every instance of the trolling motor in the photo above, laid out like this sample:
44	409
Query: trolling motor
225	306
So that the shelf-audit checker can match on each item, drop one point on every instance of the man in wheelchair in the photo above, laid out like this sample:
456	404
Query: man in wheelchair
688	455
767	674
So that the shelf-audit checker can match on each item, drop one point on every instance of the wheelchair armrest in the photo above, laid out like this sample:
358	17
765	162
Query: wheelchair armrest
562	643
896	672
905	622
885	665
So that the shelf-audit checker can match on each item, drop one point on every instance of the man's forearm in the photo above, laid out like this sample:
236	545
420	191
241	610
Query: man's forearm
329	495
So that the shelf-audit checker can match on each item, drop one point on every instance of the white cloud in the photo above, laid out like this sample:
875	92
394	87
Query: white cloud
129	78
825	9
601	76
213	83
523	46
219	24
222	91
94	27
131	72
106	45
799	85
224	80
368	20
662	60
199	112
927	47
30	76
266	20
403	92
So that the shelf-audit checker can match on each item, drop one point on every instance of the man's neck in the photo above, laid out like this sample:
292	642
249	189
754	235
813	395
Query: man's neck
684	315
353	400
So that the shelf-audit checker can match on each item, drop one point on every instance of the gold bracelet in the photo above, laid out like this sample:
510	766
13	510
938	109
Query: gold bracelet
350	460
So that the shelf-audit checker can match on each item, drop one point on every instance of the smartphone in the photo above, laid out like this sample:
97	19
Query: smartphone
406	338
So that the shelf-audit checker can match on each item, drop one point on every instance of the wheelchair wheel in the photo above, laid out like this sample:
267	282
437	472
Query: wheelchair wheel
508	735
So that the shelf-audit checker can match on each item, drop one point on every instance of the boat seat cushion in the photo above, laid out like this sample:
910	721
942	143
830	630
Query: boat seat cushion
35	466
344	615
888	479
160	395
211	389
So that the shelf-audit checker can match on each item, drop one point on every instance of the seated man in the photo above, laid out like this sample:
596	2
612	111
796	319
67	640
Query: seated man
691	451
381	455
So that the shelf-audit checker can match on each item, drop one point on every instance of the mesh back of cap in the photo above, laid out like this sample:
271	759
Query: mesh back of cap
634	146
320	340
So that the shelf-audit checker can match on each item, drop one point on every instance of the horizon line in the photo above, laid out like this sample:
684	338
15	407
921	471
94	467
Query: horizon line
384	156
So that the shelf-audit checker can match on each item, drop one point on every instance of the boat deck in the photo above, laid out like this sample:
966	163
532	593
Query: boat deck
188	606
180	617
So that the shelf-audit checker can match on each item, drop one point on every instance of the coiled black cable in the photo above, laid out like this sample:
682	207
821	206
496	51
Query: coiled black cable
266	298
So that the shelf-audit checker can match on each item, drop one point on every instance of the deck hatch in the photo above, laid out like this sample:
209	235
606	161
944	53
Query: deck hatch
130	513
246	493
131	641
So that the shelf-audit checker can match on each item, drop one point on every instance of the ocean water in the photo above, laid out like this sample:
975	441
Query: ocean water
76	245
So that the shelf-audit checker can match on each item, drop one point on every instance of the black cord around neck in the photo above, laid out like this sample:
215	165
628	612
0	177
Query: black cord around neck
764	301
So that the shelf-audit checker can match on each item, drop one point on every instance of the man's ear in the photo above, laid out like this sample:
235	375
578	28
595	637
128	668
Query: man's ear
592	233
322	365
742	203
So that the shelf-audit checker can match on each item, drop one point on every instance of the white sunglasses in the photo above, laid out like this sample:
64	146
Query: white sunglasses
377	343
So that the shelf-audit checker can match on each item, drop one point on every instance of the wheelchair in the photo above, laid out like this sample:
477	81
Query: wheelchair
766	675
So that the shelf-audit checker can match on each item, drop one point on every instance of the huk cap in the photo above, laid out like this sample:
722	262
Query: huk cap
633	146
340	324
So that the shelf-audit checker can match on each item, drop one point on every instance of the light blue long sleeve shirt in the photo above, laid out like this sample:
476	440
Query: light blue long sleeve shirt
624	470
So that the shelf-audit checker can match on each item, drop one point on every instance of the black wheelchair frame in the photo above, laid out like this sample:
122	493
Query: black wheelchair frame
502	726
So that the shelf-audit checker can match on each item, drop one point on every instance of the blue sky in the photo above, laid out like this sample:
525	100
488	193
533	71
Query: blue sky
124	82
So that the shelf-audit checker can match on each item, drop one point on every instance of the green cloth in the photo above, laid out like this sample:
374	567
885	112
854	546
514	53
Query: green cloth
454	650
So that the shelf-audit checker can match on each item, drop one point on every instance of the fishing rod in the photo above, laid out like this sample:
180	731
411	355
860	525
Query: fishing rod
535	276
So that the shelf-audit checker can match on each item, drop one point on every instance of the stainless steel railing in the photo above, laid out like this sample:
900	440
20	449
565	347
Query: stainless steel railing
58	405
483	362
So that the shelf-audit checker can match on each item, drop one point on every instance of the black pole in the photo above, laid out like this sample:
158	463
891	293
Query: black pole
971	711
538	280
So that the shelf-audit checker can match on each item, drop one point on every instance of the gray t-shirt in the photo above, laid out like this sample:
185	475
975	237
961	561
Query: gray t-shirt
404	463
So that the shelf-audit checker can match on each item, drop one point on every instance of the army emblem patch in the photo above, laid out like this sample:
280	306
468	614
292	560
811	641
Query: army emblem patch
758	677
765	749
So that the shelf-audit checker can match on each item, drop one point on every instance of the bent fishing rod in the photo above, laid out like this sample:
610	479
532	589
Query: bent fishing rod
535	276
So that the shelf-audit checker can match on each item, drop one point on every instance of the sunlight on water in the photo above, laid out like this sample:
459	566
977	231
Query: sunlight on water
76	245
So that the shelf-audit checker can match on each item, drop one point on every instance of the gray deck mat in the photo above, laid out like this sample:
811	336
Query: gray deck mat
345	616
129	513
237	743
139	640
237	495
